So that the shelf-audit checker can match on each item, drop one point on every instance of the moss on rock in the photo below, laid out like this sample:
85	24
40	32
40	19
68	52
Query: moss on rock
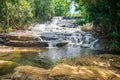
7	67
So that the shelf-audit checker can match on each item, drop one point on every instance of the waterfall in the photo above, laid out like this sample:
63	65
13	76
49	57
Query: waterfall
64	40
60	30
72	7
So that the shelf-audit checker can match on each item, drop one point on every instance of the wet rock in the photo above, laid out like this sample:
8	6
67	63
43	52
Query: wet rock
67	23
49	36
1	41
7	67
30	73
61	44
85	45
27	43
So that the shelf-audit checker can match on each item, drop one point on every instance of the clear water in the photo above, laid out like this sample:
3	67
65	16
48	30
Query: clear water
55	54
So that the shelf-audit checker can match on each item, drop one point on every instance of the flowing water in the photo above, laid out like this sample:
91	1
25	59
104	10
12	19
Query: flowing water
64	38
60	30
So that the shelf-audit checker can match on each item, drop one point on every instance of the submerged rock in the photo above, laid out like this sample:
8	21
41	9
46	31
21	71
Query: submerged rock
7	67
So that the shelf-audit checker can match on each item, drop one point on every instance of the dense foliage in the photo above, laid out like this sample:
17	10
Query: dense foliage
43	9
105	14
15	14
61	7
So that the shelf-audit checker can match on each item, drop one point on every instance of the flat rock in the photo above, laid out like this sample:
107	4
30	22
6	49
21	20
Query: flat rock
27	43
20	36
22	39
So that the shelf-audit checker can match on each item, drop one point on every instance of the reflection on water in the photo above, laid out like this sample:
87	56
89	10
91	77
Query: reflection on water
44	57
54	54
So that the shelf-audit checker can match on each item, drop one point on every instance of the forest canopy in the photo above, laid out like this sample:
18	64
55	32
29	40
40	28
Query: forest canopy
105	14
17	14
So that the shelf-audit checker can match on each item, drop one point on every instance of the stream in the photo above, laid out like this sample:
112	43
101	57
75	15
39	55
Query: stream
63	38
62	30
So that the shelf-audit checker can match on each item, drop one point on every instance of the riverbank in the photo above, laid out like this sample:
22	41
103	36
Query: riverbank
97	67
72	48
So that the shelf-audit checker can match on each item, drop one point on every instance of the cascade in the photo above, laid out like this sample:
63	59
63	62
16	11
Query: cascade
60	30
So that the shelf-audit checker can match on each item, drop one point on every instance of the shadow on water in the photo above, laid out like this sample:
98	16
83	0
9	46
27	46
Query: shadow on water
24	57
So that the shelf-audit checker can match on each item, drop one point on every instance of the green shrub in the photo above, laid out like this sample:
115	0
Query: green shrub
80	21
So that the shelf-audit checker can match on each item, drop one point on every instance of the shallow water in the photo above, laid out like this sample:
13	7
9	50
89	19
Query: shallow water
54	54
44	57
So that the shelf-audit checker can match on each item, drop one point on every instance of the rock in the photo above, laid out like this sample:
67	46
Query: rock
27	43
20	36
7	67
6	77
30	73
64	72
86	27
61	44
85	45
1	41
83	73
8	49
22	39
49	36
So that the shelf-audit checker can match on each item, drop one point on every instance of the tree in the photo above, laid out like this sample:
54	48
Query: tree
104	13
61	7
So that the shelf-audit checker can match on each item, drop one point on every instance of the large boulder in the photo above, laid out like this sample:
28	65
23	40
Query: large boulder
30	73
7	67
